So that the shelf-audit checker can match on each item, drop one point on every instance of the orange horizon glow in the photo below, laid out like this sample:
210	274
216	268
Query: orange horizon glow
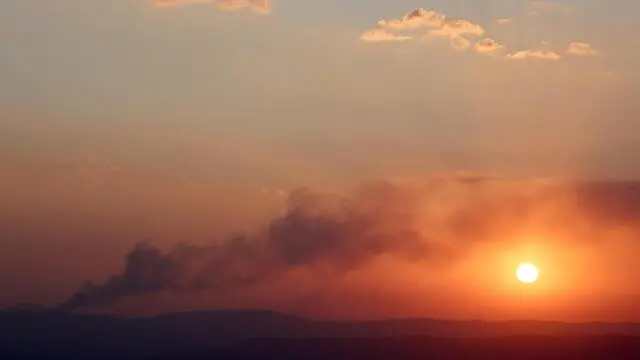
382	163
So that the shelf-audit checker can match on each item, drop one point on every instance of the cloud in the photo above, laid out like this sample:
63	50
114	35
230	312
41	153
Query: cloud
261	6
424	20
581	48
430	221
459	43
457	28
171	3
459	32
535	54
488	46
419	18
381	34
504	21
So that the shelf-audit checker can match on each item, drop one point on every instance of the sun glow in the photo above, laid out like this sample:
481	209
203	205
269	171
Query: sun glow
527	273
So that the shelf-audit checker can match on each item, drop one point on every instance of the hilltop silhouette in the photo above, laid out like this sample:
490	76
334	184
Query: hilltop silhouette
28	332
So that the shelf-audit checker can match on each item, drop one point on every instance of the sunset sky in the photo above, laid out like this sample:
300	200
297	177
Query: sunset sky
459	141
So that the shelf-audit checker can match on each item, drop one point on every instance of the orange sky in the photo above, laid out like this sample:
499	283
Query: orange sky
439	148
438	246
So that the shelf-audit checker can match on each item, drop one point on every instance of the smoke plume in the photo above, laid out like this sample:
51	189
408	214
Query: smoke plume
432	220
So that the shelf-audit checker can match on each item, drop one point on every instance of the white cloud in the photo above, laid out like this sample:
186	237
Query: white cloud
420	19
457	28
581	48
261	6
535	54
488	46
170	3
381	34
422	23
459	43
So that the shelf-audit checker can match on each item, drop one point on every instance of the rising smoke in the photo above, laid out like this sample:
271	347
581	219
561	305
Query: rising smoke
431	221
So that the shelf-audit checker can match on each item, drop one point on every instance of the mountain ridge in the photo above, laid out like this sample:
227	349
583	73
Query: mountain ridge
30	333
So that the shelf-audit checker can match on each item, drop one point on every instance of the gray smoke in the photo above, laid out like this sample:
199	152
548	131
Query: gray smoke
430	220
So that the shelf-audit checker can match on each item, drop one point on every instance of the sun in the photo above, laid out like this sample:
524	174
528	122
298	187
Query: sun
527	273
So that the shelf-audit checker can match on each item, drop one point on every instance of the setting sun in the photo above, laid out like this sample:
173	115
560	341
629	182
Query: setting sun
527	273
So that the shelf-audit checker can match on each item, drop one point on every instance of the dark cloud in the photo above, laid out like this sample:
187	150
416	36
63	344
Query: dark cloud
433	221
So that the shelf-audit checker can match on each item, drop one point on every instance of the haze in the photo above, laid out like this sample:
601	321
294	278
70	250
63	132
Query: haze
373	169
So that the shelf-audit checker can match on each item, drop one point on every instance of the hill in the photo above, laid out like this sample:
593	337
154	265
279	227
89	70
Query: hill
31	333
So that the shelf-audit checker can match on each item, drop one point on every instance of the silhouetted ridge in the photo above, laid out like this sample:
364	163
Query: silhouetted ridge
29	308
60	335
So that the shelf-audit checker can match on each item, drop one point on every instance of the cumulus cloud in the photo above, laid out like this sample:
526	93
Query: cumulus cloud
391	30
434	220
419	18
261	6
459	43
581	48
424	20
381	34
459	32
457	28
488	46
535	54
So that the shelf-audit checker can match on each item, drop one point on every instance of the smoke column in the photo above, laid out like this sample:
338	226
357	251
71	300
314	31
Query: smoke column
434	220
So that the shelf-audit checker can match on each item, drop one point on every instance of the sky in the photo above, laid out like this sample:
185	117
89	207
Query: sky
178	122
